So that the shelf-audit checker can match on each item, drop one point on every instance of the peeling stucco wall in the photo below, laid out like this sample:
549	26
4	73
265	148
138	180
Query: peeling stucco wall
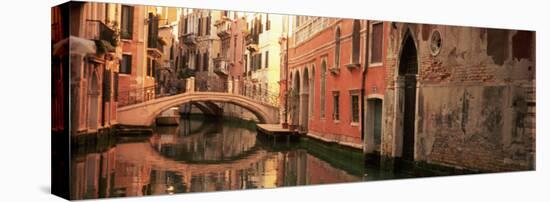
475	98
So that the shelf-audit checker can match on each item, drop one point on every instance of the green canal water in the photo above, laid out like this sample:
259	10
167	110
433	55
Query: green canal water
202	155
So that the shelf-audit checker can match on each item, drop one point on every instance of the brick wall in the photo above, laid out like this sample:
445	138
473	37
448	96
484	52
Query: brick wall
475	98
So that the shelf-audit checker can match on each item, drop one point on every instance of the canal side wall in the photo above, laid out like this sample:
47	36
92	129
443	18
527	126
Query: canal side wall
475	98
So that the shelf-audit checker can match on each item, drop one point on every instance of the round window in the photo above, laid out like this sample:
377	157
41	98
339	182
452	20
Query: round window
435	43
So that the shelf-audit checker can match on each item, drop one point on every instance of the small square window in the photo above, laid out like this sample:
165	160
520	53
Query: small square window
126	64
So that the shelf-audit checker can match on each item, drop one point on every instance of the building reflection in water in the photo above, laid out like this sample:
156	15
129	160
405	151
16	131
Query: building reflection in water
198	156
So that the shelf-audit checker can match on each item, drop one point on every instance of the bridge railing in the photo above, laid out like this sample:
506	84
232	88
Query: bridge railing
139	95
266	97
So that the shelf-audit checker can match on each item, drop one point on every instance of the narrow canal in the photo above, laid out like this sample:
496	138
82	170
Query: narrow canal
201	155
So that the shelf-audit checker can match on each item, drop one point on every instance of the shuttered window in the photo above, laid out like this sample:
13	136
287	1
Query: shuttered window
126	30
376	46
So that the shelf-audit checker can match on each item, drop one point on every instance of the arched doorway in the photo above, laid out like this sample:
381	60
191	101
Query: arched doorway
93	101
408	70
304	101
295	101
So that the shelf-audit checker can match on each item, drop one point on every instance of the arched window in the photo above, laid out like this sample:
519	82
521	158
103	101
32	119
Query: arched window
197	61
311	90
337	48
205	61
323	86
356	42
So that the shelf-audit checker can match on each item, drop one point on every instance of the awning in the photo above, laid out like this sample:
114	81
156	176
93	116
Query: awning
76	45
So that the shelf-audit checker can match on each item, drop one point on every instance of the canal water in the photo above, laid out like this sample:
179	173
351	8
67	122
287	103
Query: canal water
202	155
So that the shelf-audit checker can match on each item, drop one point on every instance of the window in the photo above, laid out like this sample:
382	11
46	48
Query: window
323	86
311	90
149	66
153	31
376	45
337	48
197	61
266	59
126	64
267	23
354	108
207	25
115	83
205	61
259	61
185	25
336	106
127	20
261	25
106	86
154	69
200	27
356	44
246	67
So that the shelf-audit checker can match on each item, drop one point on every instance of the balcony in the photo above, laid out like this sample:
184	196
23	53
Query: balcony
221	66
252	42
334	70
224	28
155	47
106	39
190	39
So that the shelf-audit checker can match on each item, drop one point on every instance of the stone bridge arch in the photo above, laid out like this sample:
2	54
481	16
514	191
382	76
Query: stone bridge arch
144	114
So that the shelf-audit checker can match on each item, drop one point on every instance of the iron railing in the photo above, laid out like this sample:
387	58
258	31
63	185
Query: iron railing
138	95
270	97
97	30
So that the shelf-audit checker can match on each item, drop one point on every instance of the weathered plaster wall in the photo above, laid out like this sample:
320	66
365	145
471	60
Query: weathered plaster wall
475	98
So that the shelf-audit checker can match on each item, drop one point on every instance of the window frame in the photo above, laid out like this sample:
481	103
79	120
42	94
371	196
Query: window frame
337	47
336	106
130	24
323	87
266	65
356	42
371	34
129	72
355	93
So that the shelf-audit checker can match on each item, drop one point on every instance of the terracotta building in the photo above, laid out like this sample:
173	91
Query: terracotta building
460	96
94	63
262	68
198	39
329	81
166	73
144	51
229	65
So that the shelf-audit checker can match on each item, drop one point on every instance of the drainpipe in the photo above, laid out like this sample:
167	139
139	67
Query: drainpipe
363	80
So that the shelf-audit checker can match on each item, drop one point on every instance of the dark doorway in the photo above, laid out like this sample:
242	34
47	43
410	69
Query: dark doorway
408	68
377	124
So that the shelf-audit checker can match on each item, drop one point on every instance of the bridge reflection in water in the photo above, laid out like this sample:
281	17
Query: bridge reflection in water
203	155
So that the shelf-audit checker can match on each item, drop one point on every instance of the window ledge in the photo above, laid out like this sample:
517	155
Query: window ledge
354	124
334	70
375	64
352	66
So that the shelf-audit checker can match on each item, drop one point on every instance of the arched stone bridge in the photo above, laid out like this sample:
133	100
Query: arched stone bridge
144	114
